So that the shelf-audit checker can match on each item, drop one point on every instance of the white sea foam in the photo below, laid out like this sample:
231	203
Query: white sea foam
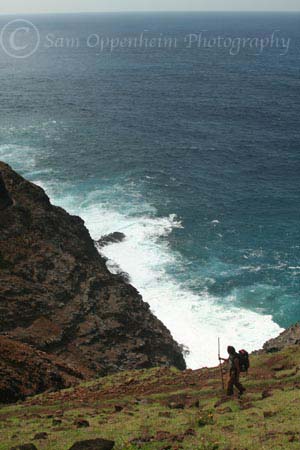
195	320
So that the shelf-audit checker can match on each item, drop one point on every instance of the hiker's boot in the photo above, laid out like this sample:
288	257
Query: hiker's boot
241	392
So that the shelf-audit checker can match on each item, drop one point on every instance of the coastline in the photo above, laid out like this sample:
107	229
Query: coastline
195	321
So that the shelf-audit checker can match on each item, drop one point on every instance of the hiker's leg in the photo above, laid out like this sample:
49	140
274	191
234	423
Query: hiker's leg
230	384
237	383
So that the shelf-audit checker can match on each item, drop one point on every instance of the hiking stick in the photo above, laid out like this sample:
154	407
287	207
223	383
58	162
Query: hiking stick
219	356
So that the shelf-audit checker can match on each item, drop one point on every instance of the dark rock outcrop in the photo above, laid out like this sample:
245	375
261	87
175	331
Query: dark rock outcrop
94	444
5	200
290	336
25	447
111	238
57	294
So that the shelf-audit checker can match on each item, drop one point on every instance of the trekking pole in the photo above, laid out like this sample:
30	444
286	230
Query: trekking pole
219	356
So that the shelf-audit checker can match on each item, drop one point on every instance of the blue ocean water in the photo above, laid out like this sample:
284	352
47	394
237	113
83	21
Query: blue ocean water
191	150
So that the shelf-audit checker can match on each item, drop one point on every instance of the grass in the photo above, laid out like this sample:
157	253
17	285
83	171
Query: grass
146	420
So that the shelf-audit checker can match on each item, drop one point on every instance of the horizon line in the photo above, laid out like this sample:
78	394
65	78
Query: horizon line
151	11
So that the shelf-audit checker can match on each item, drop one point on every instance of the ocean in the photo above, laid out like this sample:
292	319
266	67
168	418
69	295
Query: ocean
181	131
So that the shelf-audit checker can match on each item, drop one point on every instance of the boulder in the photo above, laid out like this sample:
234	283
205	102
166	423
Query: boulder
24	447
111	238
81	423
40	436
119	408
94	444
176	405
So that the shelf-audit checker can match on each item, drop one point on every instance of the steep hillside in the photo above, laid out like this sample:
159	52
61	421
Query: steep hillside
25	370
156	409
57	295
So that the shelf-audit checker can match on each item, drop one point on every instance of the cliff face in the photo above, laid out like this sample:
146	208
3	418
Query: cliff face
5	200
57	295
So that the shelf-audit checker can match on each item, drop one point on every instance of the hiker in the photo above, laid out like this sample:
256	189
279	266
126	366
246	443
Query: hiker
234	371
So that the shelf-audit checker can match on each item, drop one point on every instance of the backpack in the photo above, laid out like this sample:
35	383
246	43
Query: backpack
244	360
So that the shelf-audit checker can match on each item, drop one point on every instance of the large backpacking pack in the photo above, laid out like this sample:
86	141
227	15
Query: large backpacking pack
244	360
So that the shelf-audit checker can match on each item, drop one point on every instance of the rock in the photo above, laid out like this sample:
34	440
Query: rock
290	336
56	422
266	394
268	414
164	414
58	297
162	435
40	436
190	432
94	444
111	238
141	440
119	408
81	423
176	405
24	447
292	436
178	437
193	404
224	410
5	199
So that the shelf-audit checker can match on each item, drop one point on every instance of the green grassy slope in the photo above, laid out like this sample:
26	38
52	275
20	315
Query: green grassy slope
168	409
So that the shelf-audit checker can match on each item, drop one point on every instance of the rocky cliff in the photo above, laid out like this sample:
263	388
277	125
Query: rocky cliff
57	295
290	336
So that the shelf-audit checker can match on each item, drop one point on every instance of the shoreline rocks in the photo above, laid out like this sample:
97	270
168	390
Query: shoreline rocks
290	336
112	238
